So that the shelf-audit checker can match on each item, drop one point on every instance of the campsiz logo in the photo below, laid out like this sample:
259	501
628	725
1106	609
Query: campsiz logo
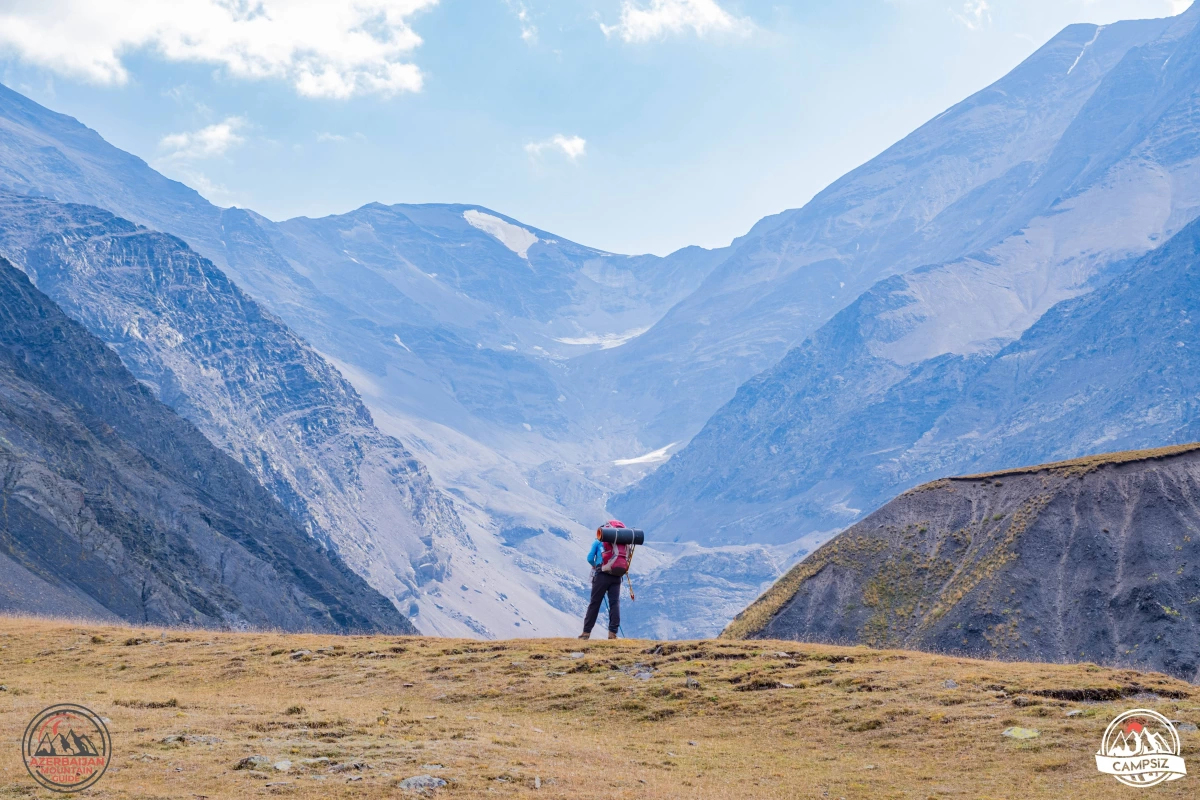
1140	748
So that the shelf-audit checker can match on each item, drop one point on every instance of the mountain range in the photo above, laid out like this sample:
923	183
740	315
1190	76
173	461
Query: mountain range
1092	166
449	399
456	325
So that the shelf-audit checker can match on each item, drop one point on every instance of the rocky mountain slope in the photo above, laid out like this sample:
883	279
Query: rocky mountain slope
1096	559
114	507
250	385
844	421
1002	161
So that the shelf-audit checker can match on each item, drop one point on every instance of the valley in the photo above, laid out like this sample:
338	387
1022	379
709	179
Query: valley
449	399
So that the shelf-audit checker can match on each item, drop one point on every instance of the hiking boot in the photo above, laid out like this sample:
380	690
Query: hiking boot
585	635
612	635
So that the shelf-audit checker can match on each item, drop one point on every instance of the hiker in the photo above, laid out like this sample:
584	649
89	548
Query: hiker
609	562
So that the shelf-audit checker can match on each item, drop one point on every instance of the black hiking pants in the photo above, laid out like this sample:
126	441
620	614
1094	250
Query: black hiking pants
604	584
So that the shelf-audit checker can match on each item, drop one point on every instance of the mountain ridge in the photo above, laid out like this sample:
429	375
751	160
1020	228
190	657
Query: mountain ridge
252	387
117	508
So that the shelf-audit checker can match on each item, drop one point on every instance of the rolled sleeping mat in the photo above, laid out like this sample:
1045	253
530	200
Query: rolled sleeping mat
622	535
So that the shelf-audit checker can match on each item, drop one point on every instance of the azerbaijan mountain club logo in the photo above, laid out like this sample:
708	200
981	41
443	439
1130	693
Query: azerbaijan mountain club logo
66	748
1140	748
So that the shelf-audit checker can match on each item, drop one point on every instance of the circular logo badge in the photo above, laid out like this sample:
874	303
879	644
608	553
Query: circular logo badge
66	748
1140	748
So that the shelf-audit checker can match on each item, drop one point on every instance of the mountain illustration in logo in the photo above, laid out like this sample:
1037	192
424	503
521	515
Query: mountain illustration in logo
1135	740
66	744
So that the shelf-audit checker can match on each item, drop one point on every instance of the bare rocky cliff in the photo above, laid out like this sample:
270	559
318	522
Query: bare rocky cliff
245	380
1096	559
112	506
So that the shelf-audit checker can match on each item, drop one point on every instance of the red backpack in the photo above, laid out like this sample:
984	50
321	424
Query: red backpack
614	559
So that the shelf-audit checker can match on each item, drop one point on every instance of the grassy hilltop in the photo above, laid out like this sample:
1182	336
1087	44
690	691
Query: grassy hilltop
1095	559
632	719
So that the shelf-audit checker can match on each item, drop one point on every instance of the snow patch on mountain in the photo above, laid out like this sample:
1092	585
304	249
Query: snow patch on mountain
607	341
514	237
1079	57
655	457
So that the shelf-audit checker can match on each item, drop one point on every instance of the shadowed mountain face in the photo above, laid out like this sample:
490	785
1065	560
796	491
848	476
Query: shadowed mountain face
911	379
1093	560
248	383
114	507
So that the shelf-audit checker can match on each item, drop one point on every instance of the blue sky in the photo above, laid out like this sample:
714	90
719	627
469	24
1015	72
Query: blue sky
630	125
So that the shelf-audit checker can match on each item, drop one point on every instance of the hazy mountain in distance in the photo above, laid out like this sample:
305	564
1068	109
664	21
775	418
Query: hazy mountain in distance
961	184
115	507
826	433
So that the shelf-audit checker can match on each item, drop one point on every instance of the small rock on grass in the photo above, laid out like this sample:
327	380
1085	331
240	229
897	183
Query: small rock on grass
1075	712
187	738
1021	733
252	762
577	655
350	766
1187	727
283	766
420	783
950	684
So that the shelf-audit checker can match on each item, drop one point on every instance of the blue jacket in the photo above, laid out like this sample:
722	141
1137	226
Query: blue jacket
596	554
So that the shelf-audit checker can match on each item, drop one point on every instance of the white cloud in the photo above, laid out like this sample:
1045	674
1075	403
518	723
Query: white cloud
976	15
338	138
573	147
323	48
529	31
661	17
208	142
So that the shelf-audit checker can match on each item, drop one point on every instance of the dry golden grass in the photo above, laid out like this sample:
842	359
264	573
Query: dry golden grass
525	718
1081	466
